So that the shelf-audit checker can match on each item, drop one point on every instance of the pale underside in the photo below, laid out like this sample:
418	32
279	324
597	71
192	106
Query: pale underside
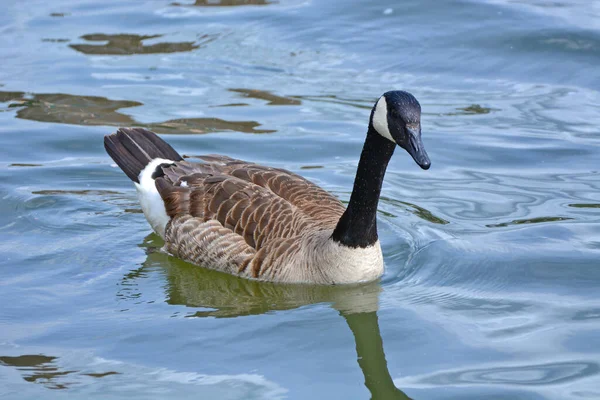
258	222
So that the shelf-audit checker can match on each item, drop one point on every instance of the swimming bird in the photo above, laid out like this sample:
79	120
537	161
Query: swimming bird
267	223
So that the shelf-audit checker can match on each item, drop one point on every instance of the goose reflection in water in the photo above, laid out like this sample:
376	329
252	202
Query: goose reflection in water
225	296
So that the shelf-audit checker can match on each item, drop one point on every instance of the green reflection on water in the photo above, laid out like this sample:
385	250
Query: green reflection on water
225	296
312	167
414	209
230	296
537	220
74	192
585	205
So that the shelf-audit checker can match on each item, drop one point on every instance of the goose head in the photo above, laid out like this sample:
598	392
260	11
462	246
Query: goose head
397	117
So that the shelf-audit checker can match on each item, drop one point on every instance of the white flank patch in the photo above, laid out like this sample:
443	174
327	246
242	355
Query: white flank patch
380	121
150	200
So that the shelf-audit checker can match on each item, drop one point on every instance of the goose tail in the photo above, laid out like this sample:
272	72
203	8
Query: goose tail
133	149
140	154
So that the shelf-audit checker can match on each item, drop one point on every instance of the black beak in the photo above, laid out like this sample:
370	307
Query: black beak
416	149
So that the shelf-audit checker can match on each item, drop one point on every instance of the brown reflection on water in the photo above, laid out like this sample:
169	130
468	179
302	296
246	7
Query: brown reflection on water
10	96
272	99
41	369
25	165
100	111
37	369
126	44
52	40
205	125
232	105
365	104
473	109
75	110
226	3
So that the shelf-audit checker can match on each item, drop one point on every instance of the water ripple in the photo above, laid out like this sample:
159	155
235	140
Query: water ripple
551	373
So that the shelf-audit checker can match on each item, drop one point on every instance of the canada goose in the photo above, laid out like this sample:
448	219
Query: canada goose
268	223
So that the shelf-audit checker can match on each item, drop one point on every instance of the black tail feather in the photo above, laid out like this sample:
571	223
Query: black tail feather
133	148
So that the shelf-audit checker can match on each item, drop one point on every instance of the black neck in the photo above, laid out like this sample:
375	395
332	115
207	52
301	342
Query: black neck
358	226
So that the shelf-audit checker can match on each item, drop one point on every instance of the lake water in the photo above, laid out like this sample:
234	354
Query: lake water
492	280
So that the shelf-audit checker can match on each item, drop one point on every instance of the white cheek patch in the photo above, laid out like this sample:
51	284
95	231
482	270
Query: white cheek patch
380	121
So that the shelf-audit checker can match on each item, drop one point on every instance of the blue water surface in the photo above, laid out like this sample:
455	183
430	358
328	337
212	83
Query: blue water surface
492	280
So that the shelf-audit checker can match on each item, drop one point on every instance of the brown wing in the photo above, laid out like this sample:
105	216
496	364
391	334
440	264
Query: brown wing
316	203
238	217
249	210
